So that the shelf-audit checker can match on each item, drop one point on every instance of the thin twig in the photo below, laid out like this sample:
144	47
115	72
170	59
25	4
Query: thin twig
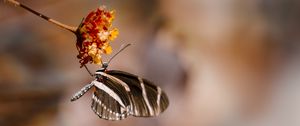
16	3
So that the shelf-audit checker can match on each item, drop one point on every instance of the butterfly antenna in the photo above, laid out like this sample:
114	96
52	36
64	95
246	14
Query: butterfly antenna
121	49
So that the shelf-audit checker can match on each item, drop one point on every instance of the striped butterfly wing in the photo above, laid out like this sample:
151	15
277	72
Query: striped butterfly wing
146	99
110	100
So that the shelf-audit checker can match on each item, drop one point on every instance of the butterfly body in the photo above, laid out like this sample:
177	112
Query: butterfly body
119	94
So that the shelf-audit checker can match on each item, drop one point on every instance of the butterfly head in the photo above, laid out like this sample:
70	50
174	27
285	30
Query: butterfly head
103	68
104	65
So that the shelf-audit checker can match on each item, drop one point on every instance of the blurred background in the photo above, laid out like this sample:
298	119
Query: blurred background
221	62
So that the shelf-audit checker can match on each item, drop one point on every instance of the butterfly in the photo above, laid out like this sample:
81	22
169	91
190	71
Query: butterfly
118	94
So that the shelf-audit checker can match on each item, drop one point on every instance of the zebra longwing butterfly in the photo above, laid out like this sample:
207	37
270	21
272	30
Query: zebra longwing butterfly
118	94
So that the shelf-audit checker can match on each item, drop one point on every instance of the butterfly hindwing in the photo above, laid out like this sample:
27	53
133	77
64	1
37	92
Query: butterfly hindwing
110	100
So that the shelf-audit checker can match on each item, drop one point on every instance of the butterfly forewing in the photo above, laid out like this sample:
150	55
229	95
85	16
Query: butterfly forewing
146	98
119	94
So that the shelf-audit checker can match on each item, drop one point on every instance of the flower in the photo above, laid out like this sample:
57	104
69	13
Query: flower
94	35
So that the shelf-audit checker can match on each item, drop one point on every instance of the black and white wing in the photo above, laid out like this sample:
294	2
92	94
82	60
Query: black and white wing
144	98
110	100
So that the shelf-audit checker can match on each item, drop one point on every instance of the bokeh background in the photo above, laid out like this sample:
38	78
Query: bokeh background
221	62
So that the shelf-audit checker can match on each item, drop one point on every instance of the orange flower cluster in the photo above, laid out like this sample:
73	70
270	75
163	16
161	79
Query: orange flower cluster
94	35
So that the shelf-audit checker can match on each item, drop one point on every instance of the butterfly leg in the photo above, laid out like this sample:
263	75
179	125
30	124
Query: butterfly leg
82	91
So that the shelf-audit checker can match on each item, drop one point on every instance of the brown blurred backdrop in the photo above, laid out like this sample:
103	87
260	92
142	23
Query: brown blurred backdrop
221	62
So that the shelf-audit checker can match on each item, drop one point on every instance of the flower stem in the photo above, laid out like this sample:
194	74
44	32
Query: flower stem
16	3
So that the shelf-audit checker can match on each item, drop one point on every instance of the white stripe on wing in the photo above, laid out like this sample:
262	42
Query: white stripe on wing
108	91
115	79
158	99
145	96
